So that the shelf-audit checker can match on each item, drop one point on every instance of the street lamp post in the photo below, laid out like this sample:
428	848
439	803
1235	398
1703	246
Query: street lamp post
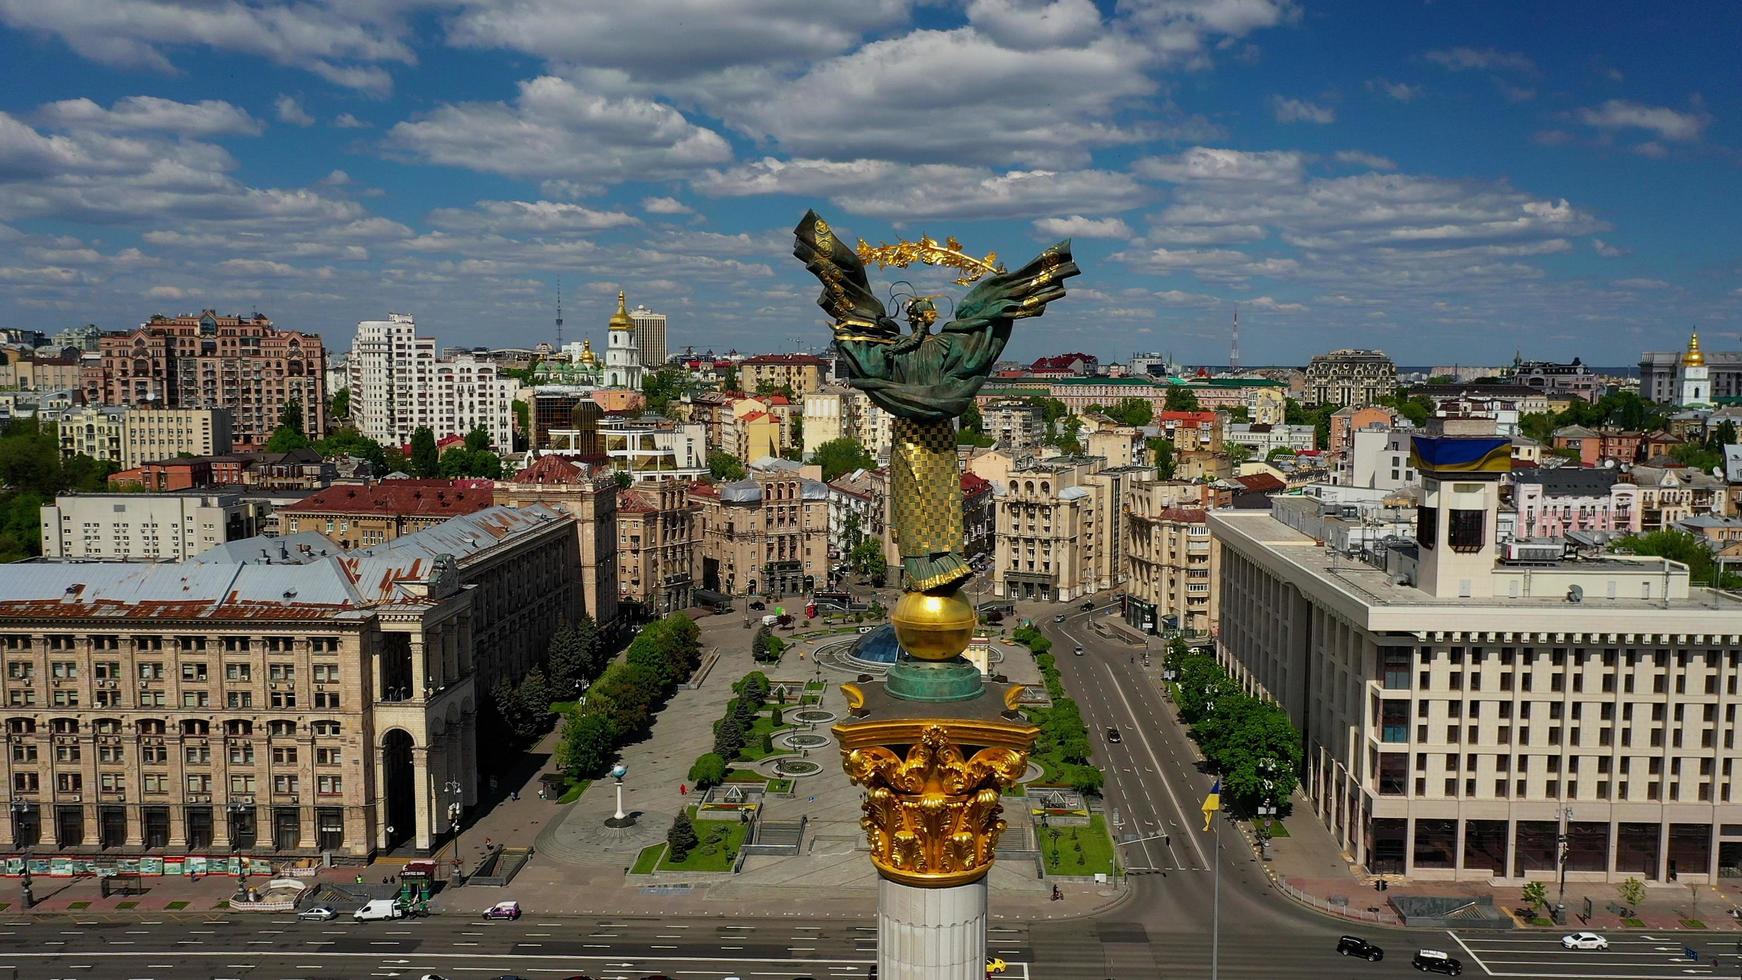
619	819
1563	846
455	789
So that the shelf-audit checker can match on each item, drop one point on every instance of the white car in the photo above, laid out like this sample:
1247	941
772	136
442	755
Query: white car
320	913
1584	940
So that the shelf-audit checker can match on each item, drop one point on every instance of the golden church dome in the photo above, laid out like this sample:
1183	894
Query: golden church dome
587	356
1693	357
620	319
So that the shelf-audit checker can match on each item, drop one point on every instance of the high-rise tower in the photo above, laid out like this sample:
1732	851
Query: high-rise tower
1234	344
559	314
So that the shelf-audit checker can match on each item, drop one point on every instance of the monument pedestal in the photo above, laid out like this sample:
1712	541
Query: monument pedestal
931	933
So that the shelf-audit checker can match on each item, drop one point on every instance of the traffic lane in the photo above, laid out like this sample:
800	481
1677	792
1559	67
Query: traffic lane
1629	956
304	966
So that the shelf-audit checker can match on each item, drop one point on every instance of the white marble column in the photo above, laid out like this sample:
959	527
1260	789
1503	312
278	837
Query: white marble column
931	933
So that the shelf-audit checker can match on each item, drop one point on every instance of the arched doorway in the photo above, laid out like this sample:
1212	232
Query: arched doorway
399	789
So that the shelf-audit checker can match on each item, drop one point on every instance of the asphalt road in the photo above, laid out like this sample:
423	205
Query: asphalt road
1163	929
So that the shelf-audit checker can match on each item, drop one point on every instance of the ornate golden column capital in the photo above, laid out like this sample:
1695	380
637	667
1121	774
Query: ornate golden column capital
932	815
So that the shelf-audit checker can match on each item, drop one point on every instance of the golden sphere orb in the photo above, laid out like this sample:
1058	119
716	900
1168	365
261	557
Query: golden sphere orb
933	627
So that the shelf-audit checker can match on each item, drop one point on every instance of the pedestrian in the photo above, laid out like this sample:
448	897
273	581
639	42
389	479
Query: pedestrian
541	792
683	789
514	794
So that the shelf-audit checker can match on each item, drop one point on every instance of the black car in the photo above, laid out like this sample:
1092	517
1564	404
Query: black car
1113	736
1059	618
1434	961
1356	946
1089	605
759	605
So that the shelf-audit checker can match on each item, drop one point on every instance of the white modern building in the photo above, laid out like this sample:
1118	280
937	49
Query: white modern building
1378	459
622	352
399	384
145	526
1466	711
1262	439
656	450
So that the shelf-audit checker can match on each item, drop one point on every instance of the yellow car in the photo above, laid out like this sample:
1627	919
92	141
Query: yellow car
995	966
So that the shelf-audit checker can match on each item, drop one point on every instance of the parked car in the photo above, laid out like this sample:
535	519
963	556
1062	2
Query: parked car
1089	605
319	913
1059	618
503	910
380	908
994	965
1584	940
1435	961
1079	651
759	605
1356	946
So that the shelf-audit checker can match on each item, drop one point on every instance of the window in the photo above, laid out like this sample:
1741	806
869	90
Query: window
20	671
150	670
327	699
327	757
112	782
238	672
284	755
199	783
196	699
196	755
106	670
153	755
326	673
26	751
284	699
1465	533
193	672
242	753
328	729
329	785
69	782
285	784
25	782
63	669
281	672
66	752
241	783
66	699
155	782
281	728
239	699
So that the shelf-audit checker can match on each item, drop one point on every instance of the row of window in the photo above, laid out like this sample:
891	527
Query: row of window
191	727
236	700
194	644
240	754
116	782
153	670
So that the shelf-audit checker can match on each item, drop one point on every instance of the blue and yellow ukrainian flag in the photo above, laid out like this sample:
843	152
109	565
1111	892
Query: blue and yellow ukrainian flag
1212	803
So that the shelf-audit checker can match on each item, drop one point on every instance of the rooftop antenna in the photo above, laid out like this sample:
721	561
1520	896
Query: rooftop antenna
1234	345
559	313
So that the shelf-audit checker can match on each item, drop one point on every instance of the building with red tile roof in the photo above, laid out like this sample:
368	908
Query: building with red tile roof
360	515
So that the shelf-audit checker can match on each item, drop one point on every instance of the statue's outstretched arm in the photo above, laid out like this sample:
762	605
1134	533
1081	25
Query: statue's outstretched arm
846	295
999	299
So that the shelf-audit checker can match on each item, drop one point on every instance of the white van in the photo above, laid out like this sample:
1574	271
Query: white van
380	908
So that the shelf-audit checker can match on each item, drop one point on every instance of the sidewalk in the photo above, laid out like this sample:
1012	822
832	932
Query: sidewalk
169	893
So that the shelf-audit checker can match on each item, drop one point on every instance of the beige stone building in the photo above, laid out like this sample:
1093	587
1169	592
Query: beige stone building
592	499
800	372
656	546
765	534
1459	709
363	515
1060	528
134	436
1171	562
279	705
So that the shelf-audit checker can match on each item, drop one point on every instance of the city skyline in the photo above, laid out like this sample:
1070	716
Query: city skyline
328	163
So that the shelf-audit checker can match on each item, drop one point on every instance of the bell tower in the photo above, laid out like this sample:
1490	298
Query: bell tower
1693	382
622	356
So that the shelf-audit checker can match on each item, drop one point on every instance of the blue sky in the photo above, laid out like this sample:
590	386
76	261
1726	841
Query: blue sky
1450	182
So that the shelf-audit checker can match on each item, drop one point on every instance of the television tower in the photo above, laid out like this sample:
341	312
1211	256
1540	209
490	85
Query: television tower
1234	345
559	313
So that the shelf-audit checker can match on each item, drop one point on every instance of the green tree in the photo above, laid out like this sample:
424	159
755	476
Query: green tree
1069	438
724	466
1278	453
729	737
478	440
866	557
1161	451
1087	780
1132	411
459	462
522	425
591	645
532	699
663	387
680	840
729	380
1692	454
1181	399
623	480
425	463
841	456
1538	426
1723	435
347	441
566	659
971	420
289	436
585	749
708	771
1535	895
342	403
1631	892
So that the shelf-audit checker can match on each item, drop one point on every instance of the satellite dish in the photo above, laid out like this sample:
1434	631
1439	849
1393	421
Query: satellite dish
1575	593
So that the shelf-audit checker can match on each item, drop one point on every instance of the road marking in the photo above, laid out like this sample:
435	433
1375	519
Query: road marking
1144	738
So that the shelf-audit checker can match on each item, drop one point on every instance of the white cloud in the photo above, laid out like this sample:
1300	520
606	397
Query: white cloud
893	190
1484	59
1181	31
166	292
1077	226
1205	164
1398	91
290	111
1036	24
665	205
347	121
1171	235
1369	160
337	178
343	42
556	130
534	216
1272	305
1216	264
146	113
1606	250
1297	110
1665	123
1640	283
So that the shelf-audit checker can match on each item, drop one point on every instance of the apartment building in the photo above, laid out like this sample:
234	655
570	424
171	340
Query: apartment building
859	509
240	363
650	336
1668	494
145	526
1264	439
1060	528
29	371
398	385
1015	423
765	534
592	498
1458	708
1347	421
1350	378
367	514
1556	378
802	373
1550	504
1171	562
656	532
134	436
